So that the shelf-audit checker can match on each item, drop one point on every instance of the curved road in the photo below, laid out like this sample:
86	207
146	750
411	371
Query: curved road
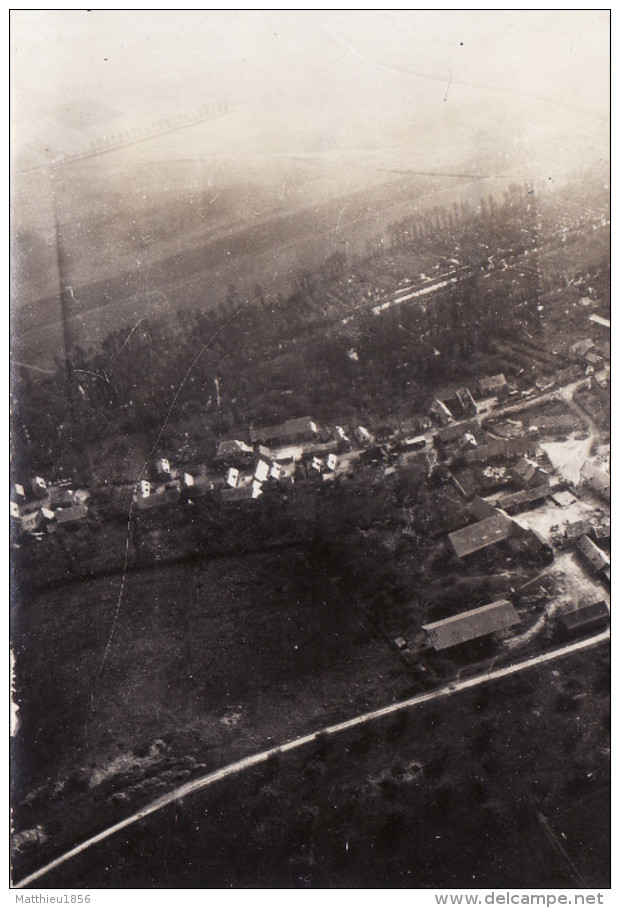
233	768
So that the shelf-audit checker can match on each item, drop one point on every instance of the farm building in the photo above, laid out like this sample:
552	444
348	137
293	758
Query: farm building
261	470
163	467
596	559
72	515
492	384
232	449
289	432
501	447
530	544
472	625
440	412
481	509
29	523
585	617
413	443
557	424
457	401
39	487
529	475
158	500
480	535
519	501
362	435
456	431
240	494
596	478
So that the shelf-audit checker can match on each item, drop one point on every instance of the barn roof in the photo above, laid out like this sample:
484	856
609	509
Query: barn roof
289	429
451	433
477	622
524	497
233	446
492	382
596	557
585	615
480	535
78	512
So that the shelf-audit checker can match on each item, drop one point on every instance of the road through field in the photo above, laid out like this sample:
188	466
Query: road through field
255	759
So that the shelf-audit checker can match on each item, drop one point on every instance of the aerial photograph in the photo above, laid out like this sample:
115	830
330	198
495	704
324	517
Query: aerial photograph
310	450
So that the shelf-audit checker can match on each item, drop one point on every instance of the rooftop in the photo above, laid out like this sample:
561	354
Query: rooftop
480	535
477	622
583	616
78	512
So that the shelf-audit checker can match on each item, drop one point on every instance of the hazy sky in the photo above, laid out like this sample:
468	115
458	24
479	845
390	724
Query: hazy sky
309	80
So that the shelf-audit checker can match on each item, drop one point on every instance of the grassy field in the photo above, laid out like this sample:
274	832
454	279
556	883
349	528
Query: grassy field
456	793
208	662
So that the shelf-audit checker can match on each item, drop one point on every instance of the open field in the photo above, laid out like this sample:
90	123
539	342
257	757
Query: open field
457	793
207	662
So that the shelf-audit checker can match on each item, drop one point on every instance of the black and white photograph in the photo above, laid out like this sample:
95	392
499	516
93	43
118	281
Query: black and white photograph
310	443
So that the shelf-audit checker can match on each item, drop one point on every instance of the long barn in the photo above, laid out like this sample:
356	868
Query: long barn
471	625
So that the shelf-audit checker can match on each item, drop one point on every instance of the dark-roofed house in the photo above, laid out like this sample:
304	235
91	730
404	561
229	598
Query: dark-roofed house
518	501
596	558
492	384
471	625
458	401
289	432
440	412
159	500
480	535
233	449
61	497
522	444
67	516
596	478
31	522
529	475
585	617
501	447
557	423
242	494
456	431
481	509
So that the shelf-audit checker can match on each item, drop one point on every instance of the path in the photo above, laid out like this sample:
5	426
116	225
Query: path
254	760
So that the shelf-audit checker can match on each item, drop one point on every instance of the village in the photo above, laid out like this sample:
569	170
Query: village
529	464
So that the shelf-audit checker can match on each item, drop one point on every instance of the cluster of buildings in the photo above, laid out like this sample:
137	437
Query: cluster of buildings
508	471
496	528
40	508
456	402
276	456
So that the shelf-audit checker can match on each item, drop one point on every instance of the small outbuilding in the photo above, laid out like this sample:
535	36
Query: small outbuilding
585	617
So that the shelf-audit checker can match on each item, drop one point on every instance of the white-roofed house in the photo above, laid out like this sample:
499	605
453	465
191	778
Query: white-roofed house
232	477
261	472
